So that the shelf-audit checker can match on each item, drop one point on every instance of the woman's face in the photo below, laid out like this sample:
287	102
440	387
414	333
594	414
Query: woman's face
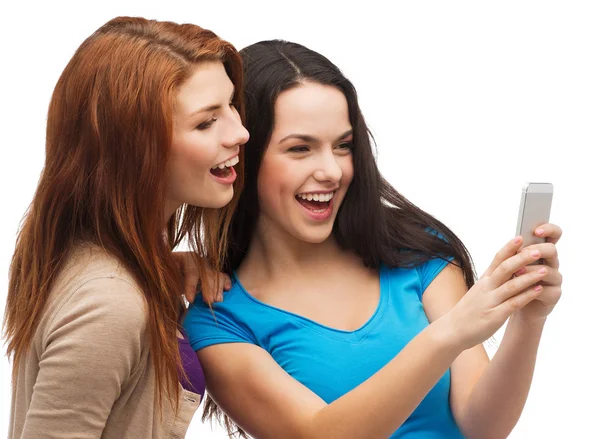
207	135
307	166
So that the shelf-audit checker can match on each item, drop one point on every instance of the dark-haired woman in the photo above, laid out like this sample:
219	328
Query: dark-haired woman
353	313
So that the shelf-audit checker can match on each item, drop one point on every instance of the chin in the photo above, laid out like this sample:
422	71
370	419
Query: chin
216	201
315	236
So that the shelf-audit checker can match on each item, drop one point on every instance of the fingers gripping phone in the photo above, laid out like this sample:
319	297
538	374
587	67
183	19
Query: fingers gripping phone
536	200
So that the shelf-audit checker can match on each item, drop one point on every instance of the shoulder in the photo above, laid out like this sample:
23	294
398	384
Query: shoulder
430	269
231	320
444	291
425	271
110	294
95	289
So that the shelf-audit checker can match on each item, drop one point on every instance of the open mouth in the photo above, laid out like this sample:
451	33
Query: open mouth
316	203
225	169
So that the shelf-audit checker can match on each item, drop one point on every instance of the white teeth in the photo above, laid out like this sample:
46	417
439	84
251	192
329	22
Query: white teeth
228	163
323	198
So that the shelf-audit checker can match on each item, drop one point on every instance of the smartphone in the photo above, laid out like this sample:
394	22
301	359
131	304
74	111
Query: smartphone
536	200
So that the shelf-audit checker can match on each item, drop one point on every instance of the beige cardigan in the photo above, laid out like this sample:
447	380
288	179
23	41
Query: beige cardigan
89	372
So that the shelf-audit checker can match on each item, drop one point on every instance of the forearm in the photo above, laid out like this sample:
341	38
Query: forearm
380	405
498	398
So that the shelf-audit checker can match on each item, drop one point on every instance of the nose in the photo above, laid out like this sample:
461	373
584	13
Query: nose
328	168
236	134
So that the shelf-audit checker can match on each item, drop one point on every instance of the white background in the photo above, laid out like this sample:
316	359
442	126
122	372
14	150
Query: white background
468	100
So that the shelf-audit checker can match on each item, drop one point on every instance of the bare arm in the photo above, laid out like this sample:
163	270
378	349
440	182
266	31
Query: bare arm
266	402
488	397
498	398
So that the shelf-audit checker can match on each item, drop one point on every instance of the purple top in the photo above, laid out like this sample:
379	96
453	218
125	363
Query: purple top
192	367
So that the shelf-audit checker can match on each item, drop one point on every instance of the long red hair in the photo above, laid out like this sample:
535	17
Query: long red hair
108	137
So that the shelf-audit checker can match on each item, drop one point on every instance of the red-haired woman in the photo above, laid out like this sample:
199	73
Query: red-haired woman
143	131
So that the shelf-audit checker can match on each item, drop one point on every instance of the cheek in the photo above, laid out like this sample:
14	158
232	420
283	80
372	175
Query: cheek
275	184
268	185
195	152
189	169
347	170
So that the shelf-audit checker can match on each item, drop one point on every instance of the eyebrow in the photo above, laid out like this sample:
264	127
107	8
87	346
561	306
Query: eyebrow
311	139
213	107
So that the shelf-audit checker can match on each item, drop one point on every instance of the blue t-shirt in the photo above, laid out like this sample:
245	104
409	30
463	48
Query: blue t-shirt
332	362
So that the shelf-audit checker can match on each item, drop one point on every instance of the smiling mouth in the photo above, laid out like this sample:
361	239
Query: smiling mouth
224	169
317	203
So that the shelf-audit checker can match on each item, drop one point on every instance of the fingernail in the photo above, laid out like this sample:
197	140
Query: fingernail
539	232
535	254
538	288
517	240
542	270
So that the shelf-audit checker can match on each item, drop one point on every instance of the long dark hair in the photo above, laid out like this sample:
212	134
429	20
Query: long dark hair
108	140
375	221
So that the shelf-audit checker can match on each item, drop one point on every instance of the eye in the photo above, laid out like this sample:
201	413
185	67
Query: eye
299	149
206	125
348	146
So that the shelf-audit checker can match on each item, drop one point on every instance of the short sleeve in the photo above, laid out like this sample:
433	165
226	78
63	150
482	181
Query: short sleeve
222	324
429	270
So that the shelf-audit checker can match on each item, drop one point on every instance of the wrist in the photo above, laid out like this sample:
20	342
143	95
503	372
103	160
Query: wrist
524	320
443	333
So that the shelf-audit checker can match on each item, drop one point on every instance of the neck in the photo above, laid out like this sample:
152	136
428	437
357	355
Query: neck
275	254
170	209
